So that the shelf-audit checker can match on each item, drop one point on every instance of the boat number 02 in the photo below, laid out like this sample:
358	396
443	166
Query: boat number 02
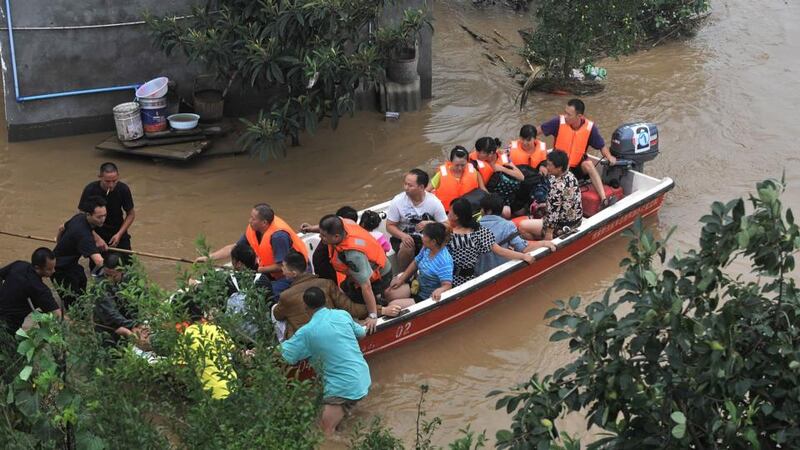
402	330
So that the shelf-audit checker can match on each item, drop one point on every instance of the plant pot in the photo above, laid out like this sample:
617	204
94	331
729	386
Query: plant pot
209	104
402	68
207	99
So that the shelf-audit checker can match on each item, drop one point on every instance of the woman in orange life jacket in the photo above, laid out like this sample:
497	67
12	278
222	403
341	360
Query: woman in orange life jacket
490	160
455	178
528	151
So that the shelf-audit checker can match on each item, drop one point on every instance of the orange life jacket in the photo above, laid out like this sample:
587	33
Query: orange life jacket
522	158
450	187
573	142
264	248
360	240
485	168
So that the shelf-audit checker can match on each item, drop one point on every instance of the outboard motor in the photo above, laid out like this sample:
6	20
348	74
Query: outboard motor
632	144
635	142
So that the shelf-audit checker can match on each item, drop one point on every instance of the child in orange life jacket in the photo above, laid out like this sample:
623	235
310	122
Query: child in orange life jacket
370	221
500	175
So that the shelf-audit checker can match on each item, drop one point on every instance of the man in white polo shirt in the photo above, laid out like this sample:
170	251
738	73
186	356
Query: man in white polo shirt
408	214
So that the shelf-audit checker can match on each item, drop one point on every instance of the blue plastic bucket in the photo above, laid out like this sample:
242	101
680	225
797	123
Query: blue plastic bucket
154	114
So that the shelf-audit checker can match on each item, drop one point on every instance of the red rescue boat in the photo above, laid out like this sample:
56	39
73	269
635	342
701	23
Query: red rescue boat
643	196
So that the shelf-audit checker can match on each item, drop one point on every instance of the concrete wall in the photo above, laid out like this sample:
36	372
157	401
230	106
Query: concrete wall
63	60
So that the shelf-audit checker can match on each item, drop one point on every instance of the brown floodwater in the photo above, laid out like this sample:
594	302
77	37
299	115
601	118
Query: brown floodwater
724	102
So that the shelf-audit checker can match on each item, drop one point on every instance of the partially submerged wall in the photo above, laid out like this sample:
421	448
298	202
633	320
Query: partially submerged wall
59	47
73	58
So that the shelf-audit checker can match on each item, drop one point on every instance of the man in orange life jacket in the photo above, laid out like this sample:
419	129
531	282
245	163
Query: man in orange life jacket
270	238
361	265
574	134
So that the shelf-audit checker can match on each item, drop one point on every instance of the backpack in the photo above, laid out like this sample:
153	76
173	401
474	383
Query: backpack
505	186
534	187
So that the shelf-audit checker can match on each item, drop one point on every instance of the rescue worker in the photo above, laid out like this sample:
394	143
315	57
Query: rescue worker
527	150
456	178
75	240
22	289
119	208
362	268
574	134
270	237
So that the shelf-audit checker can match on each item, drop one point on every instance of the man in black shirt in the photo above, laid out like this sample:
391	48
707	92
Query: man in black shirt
119	206
22	289
74	241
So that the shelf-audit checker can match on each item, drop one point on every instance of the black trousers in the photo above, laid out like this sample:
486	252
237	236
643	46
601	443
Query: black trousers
70	283
322	263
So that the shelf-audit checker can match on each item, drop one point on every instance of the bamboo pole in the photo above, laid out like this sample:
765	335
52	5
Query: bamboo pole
112	249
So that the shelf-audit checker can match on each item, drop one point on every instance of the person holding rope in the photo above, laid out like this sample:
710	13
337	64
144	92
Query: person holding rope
22	289
271	238
119	208
75	240
113	318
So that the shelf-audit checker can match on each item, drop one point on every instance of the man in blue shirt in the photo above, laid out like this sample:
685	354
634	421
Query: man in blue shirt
505	234
329	339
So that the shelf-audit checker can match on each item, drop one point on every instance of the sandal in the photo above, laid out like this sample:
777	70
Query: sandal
608	201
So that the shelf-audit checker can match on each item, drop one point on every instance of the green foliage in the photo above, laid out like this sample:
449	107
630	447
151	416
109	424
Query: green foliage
468	440
312	55
378	437
569	34
399	40
375	437
425	428
63	388
689	355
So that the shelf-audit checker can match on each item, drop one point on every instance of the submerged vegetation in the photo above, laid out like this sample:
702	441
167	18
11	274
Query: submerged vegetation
569	35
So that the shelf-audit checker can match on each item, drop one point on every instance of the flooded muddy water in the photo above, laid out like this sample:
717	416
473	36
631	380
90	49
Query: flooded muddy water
724	102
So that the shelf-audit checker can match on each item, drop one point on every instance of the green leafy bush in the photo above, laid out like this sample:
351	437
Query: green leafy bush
64	389
692	355
312	54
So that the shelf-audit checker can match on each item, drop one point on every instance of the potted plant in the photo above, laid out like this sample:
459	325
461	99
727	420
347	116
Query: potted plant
398	45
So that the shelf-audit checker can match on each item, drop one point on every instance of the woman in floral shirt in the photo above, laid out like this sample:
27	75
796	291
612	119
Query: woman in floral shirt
564	209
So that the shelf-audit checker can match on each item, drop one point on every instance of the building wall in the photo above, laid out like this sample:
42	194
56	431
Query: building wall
63	60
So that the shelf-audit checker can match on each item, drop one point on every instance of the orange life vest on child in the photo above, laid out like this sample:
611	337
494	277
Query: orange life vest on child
573	142
485	168
264	248
450	187
361	240
520	157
